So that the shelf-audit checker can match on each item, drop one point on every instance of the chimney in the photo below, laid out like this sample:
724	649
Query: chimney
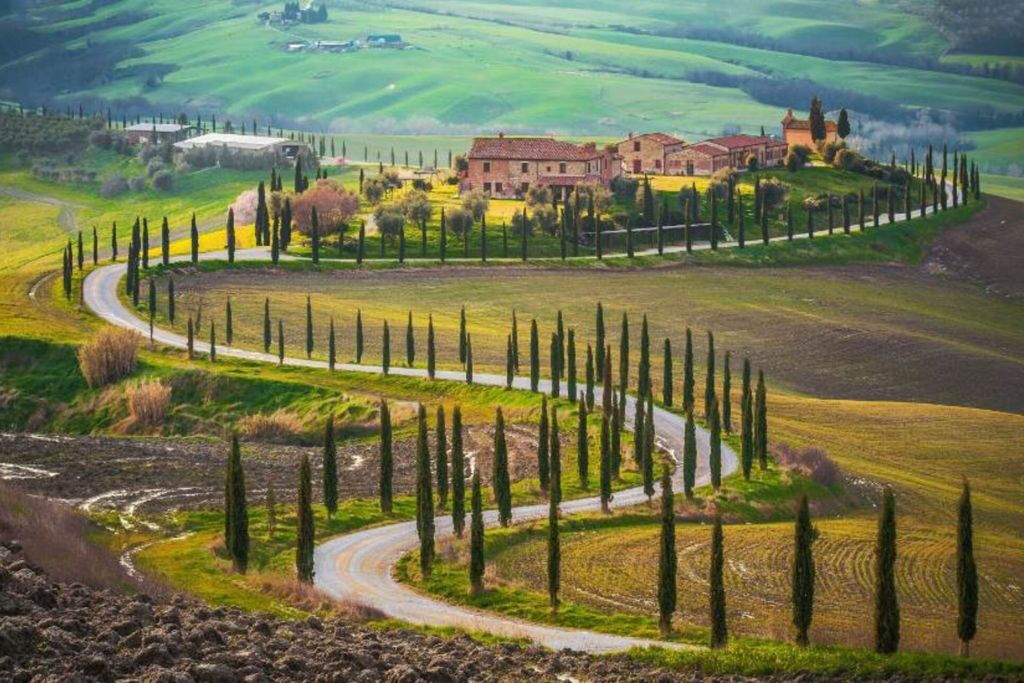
501	134
630	135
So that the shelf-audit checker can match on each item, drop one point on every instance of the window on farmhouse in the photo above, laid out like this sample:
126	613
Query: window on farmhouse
636	146
487	167
561	168
487	187
524	187
657	163
497	188
524	167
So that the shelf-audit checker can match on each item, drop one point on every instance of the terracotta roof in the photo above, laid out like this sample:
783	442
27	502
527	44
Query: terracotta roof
531	149
660	138
805	124
739	141
708	148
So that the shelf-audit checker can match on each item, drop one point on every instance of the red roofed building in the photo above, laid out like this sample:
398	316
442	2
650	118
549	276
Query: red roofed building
648	153
798	131
732	151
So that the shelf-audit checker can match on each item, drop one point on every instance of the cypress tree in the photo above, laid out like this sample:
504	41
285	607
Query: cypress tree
441	462
746	423
689	455
191	341
810	222
462	335
81	253
966	573
543	472
742	234
727	394
469	360
623	364
715	459
589	374
643	379
761	422
476	539
267	337
599	341
887	611
332	349
145	244
359	335
803	572
458	474
271	504
330	471
555	460
385	348
647	463
639	420
237	512
874	205
555	384
229	323
629	242
194	236
719	630
688	373
151	302
306	530
509	370
386	458
554	553
500	482
280	341
709	381
534	356
170	299
667	558
606	465
309	327
424	496
361	243
714	221
113	244
514	339
213	342
666	379
314	235
570	371
231	235
410	342
688	233
789	221
607	394
616	445
582	446
96	247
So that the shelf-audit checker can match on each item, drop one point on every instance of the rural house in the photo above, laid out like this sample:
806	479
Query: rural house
392	40
732	151
288	149
157	132
648	152
798	131
509	166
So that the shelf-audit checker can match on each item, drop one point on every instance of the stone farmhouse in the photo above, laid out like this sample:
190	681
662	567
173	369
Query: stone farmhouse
648	152
798	131
509	166
731	151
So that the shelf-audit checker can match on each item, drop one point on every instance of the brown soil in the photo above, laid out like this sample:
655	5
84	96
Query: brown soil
988	250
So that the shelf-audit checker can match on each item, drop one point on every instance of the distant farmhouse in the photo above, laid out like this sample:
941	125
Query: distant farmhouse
157	132
658	153
287	148
391	40
509	166
798	131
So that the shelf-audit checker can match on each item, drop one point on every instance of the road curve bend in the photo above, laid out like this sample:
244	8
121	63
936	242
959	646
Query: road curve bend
359	567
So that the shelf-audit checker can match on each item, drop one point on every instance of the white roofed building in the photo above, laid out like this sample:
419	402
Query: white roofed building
286	147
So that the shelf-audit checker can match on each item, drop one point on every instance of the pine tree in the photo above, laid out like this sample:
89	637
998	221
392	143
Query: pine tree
476	538
236	511
424	496
359	335
441	462
582	446
715	459
554	553
386	458
332	349
306	530
709	381
667	558
761	422
431	348
309	327
966	573
719	630
887	611
543	472
330	470
803	572
499	472
385	348
458	474
534	356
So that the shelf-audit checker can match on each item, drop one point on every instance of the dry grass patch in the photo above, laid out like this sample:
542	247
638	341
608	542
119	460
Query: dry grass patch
148	403
277	427
109	356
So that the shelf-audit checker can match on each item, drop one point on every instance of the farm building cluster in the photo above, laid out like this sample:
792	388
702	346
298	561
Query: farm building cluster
391	41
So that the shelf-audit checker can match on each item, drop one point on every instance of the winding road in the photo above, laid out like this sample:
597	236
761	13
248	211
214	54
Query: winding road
358	567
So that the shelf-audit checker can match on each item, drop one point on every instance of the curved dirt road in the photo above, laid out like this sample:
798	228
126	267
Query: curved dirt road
358	567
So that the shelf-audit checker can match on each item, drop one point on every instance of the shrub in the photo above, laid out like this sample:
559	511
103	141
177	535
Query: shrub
538	195
148	402
137	183
809	462
112	187
624	189
335	206
830	149
751	162
546	218
476	203
109	356
416	206
390	221
848	160
773	191
720	182
374	190
163	180
422	185
460	222
281	425
155	164
245	207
